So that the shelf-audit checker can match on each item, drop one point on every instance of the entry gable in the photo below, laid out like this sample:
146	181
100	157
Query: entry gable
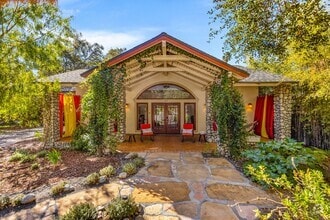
167	55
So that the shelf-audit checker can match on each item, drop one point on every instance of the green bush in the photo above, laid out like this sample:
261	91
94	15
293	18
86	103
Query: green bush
35	166
93	179
133	156
307	198
129	168
42	153
281	157
54	156
22	156
82	211
58	189
16	201
4	202
138	161
108	171
122	208
81	140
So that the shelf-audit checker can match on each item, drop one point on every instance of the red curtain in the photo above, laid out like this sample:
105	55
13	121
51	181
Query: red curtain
61	107
270	117
77	106
259	113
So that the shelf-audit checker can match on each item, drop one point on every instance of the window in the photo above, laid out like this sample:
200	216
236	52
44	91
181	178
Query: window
142	114
190	113
166	91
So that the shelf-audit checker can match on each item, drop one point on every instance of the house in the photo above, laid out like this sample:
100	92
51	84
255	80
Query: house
167	84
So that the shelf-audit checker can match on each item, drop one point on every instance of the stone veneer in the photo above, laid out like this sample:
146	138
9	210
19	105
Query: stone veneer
51	120
282	111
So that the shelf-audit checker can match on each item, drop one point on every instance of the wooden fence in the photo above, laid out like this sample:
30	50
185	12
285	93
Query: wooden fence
311	133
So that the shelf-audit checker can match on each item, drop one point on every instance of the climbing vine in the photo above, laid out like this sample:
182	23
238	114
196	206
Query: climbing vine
229	113
102	106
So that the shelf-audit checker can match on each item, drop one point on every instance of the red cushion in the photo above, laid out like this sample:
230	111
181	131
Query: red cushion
188	126
145	126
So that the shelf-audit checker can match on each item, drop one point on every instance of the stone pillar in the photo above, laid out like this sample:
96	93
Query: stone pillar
210	134
282	111
51	120
122	116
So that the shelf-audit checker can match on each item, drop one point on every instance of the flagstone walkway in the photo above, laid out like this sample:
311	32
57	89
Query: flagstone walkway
172	186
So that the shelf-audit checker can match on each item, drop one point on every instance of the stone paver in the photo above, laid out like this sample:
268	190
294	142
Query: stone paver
222	162
160	168
192	172
211	210
161	192
171	186
228	175
235	193
247	212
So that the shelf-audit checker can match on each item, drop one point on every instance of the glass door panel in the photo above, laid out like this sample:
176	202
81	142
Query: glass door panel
166	118
158	118
173	116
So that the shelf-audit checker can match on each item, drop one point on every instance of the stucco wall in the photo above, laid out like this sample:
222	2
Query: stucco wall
249	94
195	89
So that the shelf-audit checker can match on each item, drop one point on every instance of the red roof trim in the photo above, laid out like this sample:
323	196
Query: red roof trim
180	44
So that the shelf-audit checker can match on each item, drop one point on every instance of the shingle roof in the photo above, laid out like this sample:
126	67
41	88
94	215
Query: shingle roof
73	76
259	76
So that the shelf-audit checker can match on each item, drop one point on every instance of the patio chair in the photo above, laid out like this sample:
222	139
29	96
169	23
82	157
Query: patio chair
188	131
251	126
146	131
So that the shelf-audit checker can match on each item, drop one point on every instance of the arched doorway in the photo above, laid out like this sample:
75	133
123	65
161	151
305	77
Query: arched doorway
167	101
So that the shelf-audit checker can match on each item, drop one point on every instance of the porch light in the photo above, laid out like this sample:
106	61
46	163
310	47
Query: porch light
249	106
126	105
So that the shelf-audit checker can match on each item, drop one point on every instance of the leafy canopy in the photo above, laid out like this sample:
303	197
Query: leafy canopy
32	39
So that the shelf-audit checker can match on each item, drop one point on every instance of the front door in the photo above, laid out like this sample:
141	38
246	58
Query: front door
166	118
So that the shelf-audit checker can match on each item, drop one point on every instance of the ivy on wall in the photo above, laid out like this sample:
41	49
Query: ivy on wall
102	106
228	109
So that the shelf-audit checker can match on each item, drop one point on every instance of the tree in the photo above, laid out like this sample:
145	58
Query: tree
285	37
264	29
113	52
32	39
82	54
229	112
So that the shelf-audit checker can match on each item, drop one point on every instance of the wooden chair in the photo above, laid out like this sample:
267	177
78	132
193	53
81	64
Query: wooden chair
188	131
146	131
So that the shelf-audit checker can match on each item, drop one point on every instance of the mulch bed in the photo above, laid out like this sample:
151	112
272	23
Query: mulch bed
16	177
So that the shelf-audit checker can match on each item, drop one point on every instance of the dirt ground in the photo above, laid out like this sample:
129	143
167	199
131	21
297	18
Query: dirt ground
16	177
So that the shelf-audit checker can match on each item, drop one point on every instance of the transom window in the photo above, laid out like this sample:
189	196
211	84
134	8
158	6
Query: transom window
165	91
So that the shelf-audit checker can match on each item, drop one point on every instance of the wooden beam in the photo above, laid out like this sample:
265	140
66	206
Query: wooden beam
184	76
197	75
167	58
138	79
193	67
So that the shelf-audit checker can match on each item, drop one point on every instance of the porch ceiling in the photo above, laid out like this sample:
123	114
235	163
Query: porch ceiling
166	61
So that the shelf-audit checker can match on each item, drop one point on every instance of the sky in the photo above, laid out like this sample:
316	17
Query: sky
128	23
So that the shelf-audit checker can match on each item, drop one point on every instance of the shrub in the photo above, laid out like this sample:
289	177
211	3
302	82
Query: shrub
111	144
122	208
21	155
129	168
35	166
39	135
281	157
81	140
4	201
107	171
307	198
133	156
54	156
93	179
58	189
82	211
16	201
42	153
138	161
